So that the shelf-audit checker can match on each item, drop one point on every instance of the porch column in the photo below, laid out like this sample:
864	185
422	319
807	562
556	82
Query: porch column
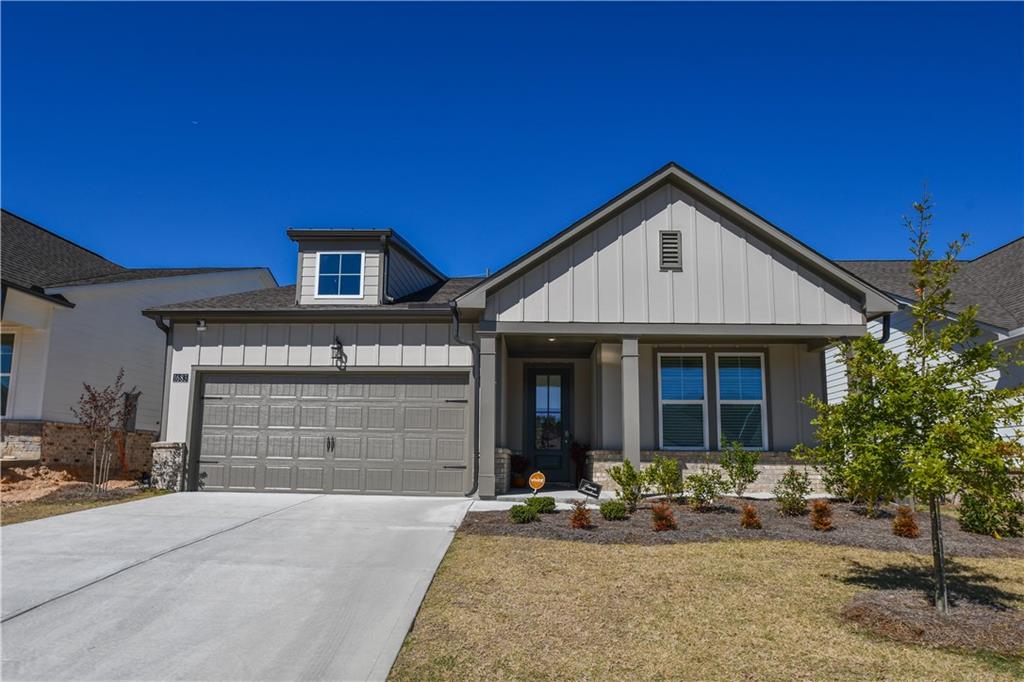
631	400
488	414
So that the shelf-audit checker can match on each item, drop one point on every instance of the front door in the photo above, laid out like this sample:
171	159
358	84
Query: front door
548	415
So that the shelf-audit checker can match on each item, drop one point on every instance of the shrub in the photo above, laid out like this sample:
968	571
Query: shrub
663	477
740	467
542	504
631	483
613	510
704	488
662	517
995	516
791	492
821	515
750	518
905	525
522	513
580	517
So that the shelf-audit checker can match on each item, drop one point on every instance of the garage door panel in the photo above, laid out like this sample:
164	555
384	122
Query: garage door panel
395	433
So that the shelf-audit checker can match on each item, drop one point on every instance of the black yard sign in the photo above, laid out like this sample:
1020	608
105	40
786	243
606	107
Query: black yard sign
589	488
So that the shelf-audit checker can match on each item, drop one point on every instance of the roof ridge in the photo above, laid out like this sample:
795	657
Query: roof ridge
998	248
61	237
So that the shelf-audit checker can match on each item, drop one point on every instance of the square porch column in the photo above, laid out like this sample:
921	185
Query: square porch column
631	401
488	414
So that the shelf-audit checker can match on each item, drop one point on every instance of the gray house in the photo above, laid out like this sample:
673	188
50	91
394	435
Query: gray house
671	320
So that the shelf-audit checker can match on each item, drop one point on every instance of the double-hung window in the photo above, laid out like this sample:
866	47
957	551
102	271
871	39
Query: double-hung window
339	274
682	391
742	414
6	369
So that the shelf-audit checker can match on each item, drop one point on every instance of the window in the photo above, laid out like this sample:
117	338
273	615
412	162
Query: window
741	404
682	391
6	365
671	249
339	274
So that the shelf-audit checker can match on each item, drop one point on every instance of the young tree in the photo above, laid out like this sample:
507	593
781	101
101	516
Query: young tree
924	423
102	411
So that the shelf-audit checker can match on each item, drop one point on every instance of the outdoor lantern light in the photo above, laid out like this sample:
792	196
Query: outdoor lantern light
200	325
337	353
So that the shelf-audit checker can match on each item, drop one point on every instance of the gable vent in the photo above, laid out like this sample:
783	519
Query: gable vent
671	249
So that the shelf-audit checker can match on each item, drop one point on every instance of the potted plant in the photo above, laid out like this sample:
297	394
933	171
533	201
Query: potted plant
519	463
578	455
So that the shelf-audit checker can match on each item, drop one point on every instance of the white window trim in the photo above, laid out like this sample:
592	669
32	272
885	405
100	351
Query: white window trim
704	402
763	401
362	274
13	373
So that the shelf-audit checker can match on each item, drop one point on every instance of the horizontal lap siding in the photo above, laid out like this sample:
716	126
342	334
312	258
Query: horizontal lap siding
612	274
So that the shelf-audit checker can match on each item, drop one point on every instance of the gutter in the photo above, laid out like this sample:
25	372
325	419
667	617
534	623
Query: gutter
474	348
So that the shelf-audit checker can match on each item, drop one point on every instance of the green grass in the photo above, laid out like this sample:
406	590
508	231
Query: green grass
41	509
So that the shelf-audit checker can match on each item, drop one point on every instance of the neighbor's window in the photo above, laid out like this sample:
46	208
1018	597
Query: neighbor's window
741	404
683	408
340	274
6	362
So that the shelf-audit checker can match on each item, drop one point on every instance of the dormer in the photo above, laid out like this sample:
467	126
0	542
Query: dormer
358	267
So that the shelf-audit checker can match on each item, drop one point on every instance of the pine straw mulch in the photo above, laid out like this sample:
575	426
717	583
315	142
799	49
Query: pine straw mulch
851	527
909	616
19	485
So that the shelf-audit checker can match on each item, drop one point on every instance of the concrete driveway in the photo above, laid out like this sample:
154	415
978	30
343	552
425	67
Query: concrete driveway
220	586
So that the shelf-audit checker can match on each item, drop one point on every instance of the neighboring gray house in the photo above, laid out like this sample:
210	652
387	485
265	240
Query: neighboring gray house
994	282
70	316
671	319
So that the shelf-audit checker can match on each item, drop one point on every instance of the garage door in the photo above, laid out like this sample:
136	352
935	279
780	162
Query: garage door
406	434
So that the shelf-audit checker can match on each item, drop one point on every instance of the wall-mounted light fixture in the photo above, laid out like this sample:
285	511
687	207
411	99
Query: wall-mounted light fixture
200	325
338	354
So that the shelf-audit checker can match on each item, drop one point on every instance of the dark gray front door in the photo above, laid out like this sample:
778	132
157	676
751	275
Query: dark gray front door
548	414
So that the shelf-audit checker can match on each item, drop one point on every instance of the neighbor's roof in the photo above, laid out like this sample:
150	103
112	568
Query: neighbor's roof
994	282
33	259
876	302
282	300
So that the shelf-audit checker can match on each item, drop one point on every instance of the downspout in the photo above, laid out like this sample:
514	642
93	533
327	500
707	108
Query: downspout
165	387
886	327
385	250
474	349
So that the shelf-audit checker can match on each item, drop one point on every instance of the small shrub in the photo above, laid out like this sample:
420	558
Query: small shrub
542	504
750	519
821	515
662	517
613	510
905	525
663	477
704	488
631	484
995	516
522	513
791	492
580	516
740	467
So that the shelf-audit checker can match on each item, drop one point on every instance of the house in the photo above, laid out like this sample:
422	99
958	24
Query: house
70	316
994	282
671	320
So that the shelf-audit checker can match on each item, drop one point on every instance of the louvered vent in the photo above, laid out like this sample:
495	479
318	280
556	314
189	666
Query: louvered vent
671	250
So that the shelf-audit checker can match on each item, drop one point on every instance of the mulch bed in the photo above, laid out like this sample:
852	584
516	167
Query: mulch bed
908	616
851	527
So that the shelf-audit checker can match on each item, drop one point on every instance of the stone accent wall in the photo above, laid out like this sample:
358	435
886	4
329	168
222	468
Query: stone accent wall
771	467
502	470
169	465
69	445
20	439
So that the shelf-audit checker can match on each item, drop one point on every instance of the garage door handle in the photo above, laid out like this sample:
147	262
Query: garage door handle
456	400
455	466
209	461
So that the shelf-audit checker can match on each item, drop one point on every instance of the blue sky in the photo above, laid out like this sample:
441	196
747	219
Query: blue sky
193	134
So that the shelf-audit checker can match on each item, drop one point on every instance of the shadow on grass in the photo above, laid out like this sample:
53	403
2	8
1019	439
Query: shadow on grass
965	582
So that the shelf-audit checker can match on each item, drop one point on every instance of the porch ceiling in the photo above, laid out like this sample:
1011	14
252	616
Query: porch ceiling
545	347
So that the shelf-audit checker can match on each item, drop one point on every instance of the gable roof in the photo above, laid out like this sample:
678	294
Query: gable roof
994	282
876	302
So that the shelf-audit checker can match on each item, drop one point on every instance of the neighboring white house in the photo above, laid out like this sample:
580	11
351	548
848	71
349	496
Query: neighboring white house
994	282
71	316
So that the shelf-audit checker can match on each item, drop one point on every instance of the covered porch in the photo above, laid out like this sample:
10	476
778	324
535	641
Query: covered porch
573	404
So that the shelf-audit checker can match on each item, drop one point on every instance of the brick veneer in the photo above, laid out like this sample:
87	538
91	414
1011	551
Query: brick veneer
502	470
771	467
60	444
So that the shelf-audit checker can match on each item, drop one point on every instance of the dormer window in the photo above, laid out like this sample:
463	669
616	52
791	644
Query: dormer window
339	274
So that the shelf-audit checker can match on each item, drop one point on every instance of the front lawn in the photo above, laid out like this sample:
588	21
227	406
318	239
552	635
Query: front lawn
505	607
40	509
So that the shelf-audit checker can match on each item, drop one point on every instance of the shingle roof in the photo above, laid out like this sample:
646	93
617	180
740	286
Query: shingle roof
282	299
994	282
142	273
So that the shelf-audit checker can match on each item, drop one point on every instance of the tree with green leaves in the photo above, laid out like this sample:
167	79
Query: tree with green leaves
924	423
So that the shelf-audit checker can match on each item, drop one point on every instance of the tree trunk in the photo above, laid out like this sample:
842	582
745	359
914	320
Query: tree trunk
938	555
